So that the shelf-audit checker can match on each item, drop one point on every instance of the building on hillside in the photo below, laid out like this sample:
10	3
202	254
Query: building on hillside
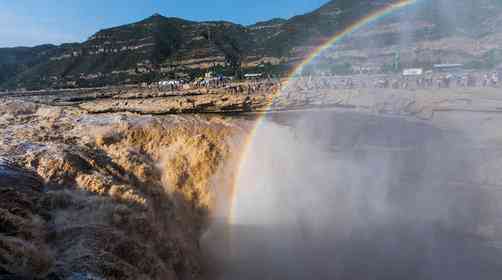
251	76
447	67
209	75
413	72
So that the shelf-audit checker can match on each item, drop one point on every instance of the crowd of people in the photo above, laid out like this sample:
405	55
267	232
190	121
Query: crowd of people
220	83
254	86
428	81
445	80
311	83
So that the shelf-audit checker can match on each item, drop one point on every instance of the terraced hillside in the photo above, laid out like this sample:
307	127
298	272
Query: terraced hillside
444	31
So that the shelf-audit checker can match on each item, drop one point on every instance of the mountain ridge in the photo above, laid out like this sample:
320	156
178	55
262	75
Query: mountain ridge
160	47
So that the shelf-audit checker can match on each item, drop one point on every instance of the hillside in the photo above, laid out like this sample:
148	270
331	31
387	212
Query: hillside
167	47
129	53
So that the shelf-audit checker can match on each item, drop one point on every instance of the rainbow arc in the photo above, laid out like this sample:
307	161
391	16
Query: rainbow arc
366	20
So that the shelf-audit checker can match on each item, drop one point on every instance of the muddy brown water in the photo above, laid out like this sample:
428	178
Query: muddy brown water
356	196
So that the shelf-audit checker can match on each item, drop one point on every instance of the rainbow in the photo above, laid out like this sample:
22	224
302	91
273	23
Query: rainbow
374	16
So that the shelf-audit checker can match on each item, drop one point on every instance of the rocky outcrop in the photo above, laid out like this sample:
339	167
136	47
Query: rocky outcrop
420	103
234	98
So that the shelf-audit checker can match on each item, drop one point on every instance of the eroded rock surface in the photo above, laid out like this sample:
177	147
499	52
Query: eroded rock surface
420	103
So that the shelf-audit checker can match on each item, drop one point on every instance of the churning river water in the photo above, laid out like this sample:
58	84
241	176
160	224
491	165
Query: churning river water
331	195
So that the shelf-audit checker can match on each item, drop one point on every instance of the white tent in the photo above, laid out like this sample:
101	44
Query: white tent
413	72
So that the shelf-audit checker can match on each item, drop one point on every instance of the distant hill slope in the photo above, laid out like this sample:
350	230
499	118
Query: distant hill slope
165	47
139	50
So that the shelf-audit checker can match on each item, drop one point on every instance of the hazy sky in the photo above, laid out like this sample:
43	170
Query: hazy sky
33	22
